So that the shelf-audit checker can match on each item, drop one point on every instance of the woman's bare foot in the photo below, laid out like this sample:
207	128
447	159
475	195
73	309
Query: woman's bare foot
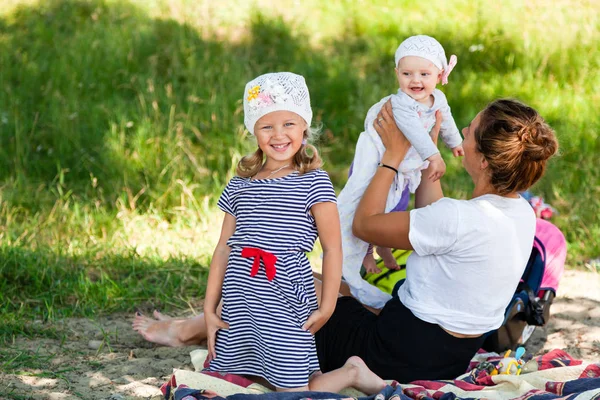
362	377
388	258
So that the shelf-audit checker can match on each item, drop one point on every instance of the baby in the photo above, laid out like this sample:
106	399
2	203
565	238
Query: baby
420	65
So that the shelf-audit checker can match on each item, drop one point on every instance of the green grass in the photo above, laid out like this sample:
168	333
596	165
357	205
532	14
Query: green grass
120	122
40	286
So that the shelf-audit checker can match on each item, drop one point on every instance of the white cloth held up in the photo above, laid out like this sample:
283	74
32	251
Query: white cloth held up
415	120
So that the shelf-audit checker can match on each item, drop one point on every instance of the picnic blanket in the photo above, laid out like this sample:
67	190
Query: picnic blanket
556	375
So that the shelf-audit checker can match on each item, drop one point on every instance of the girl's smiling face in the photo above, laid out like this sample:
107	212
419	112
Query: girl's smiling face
417	77
279	135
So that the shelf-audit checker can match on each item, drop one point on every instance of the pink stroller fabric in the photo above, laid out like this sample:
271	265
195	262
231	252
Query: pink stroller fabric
556	253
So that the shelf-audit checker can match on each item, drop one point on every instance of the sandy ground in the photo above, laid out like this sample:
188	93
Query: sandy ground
125	366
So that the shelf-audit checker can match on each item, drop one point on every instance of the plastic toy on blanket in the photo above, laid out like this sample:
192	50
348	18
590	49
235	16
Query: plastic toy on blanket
506	366
511	365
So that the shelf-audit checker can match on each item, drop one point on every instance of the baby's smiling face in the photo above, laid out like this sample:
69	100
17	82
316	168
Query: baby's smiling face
417	77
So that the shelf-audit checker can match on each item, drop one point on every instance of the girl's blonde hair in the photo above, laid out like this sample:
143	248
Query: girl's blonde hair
306	159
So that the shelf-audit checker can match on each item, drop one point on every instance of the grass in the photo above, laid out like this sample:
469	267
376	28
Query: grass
120	122
32	363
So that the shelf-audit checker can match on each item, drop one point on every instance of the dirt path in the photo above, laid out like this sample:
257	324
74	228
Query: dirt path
575	322
106	359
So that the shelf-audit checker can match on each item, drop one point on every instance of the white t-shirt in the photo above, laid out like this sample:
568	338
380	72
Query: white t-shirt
469	257
415	120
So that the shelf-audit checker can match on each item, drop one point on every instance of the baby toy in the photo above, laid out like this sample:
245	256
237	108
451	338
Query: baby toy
506	366
510	365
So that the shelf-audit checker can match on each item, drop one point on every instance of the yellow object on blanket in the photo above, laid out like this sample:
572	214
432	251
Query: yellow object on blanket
387	278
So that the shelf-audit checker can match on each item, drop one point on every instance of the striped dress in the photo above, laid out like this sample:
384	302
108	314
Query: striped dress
265	306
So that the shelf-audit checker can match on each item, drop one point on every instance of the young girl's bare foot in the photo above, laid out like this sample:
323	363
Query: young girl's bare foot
363	378
159	331
370	265
388	258
169	331
160	316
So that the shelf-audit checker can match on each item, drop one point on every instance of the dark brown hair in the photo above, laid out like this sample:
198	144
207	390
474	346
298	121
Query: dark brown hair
516	142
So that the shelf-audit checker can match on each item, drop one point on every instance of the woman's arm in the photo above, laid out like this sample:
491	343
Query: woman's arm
370	223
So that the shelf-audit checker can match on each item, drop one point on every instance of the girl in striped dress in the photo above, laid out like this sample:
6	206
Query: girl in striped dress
274	210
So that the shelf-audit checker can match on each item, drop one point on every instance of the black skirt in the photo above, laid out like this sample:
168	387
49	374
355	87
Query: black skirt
394	344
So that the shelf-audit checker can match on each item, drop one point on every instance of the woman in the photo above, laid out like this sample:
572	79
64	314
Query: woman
468	254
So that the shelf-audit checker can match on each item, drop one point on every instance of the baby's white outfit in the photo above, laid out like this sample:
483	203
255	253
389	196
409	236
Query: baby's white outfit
415	120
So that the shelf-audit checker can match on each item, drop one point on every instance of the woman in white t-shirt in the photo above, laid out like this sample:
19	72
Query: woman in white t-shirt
468	255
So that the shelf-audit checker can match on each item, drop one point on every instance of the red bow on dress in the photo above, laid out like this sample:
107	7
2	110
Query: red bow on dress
269	260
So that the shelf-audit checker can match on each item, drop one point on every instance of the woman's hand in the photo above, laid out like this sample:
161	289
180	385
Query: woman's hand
396	144
213	324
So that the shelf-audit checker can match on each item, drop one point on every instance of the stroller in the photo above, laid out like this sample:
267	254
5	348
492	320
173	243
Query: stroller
530	306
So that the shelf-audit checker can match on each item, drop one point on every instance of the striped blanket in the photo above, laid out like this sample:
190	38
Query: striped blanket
558	376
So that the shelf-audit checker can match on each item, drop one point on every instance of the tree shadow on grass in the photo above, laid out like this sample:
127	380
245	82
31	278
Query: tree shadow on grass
103	91
54	306
128	105
41	285
112	98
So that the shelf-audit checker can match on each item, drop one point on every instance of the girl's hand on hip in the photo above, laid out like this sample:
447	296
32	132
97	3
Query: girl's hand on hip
316	321
393	139
213	324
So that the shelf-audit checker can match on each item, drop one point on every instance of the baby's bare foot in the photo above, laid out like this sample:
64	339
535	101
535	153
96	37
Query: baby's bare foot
364	379
388	257
156	331
370	265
